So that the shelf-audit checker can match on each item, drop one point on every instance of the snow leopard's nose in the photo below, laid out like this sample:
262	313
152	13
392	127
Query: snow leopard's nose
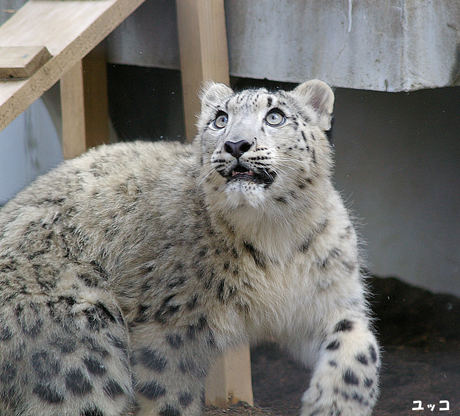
238	148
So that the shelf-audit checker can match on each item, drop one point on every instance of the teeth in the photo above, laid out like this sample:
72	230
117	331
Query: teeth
249	173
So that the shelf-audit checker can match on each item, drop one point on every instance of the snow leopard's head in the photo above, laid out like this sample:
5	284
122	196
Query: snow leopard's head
261	148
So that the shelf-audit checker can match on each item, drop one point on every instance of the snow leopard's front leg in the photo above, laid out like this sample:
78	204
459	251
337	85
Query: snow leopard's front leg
345	377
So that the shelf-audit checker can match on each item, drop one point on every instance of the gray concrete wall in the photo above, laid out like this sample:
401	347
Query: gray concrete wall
392	45
398	164
29	147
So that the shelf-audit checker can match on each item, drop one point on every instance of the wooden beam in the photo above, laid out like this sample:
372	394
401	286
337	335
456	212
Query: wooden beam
73	112
203	52
84	104
204	57
96	96
230	379
22	61
68	29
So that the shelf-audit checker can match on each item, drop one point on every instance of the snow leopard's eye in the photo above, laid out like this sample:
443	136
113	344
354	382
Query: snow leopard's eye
221	120
275	117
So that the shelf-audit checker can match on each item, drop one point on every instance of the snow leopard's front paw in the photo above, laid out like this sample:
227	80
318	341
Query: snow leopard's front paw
345	380
321	401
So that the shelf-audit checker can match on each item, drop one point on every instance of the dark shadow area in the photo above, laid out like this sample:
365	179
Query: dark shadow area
145	103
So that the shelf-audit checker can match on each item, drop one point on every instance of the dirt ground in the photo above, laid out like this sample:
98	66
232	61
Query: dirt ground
420	335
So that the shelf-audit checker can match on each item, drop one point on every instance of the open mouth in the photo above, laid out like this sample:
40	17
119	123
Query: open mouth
242	173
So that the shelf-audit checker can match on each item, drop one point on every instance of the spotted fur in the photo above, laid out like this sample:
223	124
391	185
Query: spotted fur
124	273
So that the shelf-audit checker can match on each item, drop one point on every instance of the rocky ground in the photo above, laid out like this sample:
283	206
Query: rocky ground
420	333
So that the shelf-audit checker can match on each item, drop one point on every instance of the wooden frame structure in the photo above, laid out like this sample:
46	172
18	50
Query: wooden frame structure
69	31
63	42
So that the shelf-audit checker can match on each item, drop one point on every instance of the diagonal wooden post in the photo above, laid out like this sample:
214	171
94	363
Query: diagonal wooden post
204	57
80	25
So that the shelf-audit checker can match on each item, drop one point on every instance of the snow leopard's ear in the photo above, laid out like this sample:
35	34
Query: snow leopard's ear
319	96
213	94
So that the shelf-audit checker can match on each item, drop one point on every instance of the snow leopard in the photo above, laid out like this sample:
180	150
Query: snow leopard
127	271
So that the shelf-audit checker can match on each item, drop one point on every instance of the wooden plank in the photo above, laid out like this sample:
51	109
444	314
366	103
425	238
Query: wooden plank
84	104
22	61
230	379
203	52
204	57
96	96
69	30
73	112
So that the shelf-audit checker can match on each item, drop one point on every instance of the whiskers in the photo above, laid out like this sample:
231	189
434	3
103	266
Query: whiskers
289	164
269	174
206	172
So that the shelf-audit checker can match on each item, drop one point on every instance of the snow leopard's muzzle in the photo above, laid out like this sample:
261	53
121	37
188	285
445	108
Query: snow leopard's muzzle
244	167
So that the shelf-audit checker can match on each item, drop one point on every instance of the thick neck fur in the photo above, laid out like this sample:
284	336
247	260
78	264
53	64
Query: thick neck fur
274	228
